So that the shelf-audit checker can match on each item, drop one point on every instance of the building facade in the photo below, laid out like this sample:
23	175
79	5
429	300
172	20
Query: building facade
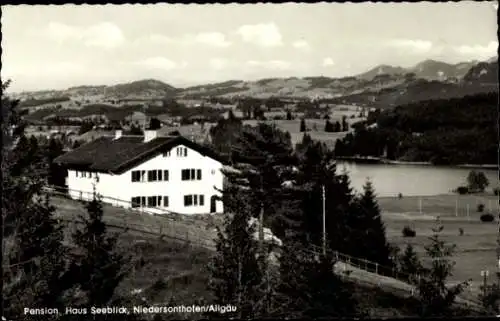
159	174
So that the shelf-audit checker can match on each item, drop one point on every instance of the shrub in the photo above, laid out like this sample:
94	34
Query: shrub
461	231
496	191
487	217
462	190
480	208
409	232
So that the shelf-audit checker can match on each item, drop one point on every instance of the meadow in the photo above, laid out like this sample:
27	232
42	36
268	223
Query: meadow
475	249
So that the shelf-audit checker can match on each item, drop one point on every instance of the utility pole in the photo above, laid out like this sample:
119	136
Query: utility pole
261	215
485	274
324	219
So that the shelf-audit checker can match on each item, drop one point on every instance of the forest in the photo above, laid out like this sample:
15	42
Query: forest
445	132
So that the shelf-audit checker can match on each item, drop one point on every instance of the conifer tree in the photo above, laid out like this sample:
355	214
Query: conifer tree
435	296
410	264
33	261
235	272
98	265
370	228
302	125
331	297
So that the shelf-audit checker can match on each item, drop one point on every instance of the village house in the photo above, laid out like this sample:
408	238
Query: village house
159	173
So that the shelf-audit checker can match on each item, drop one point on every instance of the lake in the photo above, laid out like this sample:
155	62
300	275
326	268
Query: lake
411	180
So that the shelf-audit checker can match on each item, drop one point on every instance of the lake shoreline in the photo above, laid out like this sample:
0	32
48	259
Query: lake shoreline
378	160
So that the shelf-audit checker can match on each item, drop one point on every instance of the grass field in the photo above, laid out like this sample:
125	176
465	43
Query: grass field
476	249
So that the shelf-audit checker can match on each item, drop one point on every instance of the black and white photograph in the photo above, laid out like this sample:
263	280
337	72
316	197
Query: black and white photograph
250	161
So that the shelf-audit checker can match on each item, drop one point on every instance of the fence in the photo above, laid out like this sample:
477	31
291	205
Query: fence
461	207
167	227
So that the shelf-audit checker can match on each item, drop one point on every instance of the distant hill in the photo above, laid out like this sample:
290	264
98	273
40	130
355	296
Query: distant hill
146	88
438	70
382	70
384	84
484	73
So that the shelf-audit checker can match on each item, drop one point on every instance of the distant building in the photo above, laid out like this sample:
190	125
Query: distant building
159	173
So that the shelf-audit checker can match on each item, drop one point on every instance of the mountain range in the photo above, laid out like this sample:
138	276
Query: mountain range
440	76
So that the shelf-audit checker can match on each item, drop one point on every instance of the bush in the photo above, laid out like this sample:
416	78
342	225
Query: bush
461	231
409	232
462	190
480	208
487	217
496	191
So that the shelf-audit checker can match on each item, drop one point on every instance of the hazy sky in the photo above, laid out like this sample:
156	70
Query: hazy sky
61	46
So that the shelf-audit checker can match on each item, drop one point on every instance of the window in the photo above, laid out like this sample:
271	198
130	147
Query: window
138	176
213	171
165	175
152	201
153	175
143	200
182	151
194	200
136	202
188	200
158	200
76	173
191	174
165	201
84	174
166	154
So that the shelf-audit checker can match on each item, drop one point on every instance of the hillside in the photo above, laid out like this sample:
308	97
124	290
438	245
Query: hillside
384	85
484	73
382	70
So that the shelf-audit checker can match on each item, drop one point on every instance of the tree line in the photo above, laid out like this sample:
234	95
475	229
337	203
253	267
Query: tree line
451	131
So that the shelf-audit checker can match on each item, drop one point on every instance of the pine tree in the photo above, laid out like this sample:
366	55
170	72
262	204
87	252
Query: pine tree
331	297
236	275
33	261
98	265
302	125
436	298
370	228
329	127
410	264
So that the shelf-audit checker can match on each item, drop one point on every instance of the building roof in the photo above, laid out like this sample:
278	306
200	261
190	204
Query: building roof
107	154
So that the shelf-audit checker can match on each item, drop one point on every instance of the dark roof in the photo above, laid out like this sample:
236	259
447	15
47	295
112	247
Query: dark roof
107	154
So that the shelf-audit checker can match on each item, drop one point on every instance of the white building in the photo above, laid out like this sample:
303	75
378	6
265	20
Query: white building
159	174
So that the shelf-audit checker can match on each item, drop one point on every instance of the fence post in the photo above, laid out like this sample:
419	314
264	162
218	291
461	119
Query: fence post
376	268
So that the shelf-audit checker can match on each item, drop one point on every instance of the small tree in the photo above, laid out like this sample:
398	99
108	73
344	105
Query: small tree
477	181
410	263
436	298
302	125
337	127
329	126
97	265
235	272
289	115
154	123
345	125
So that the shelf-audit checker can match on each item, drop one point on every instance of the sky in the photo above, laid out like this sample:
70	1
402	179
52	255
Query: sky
56	47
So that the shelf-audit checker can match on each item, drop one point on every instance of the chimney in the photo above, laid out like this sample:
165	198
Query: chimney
149	135
118	133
